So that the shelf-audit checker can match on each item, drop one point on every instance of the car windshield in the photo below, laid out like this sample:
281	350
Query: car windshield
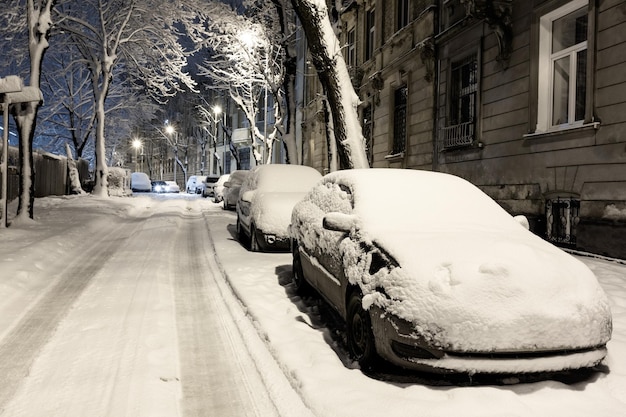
286	178
411	200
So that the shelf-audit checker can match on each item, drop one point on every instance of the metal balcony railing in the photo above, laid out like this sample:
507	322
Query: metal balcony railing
457	135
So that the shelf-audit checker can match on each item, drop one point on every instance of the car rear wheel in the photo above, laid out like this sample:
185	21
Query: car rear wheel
297	277
359	331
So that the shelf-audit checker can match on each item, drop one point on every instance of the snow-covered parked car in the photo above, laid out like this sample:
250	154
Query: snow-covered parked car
194	184
171	187
232	188
208	185
266	199
140	182
438	277
218	188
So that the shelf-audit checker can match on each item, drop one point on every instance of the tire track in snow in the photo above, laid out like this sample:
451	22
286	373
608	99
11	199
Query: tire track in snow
20	346
218	376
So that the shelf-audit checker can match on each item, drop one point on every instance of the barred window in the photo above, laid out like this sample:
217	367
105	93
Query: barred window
399	119
562	220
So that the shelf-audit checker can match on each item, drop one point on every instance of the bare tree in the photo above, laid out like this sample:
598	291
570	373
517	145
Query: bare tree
247	59
27	22
109	34
333	75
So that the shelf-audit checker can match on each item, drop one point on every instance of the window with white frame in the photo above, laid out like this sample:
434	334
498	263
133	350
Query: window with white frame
370	33
351	48
562	87
402	13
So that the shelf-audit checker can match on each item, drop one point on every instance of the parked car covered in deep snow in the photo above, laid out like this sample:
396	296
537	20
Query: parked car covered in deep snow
140	182
266	199
218	188
439	277
232	187
194	184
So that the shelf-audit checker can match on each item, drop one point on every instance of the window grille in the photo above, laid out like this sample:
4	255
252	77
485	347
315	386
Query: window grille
562	216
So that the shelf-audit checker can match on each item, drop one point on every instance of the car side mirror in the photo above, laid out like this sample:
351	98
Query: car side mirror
247	196
339	222
523	221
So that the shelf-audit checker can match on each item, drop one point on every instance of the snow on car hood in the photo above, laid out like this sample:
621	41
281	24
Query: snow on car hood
271	211
492	291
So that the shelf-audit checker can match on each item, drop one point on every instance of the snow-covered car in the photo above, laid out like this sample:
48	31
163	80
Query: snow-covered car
171	187
208	185
194	184
140	182
266	199
159	186
218	188
443	279
232	187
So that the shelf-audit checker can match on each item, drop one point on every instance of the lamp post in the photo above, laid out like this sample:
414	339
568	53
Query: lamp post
169	129
217	110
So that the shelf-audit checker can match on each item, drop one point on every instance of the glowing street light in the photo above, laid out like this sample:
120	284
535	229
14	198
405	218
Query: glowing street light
137	145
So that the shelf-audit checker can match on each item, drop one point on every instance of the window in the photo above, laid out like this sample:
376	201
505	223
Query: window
562	86
402	13
351	49
370	32
460	130
399	120
367	133
562	219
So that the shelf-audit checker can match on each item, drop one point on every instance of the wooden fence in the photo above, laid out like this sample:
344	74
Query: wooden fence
51	174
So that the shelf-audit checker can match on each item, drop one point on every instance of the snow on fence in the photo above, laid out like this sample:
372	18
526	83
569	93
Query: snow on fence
51	174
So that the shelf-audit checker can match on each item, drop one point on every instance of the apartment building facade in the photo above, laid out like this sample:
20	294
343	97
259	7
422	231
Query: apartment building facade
525	99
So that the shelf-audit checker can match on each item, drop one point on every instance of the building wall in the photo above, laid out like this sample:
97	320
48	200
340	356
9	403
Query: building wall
524	169
528	172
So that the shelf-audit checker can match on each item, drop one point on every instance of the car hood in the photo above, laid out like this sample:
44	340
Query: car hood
271	211
490	291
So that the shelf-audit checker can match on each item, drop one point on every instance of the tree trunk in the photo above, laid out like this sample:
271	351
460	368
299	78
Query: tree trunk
333	75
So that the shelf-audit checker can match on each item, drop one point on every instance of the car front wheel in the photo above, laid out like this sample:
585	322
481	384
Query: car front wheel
359	331
254	244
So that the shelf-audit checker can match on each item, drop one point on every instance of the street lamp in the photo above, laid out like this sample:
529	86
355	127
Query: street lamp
136	144
169	129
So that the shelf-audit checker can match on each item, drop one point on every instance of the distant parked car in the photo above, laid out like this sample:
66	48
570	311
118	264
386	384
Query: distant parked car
194	184
208	185
159	186
140	182
266	199
171	187
438	277
232	187
218	188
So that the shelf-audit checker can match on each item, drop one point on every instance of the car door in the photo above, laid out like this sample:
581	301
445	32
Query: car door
332	282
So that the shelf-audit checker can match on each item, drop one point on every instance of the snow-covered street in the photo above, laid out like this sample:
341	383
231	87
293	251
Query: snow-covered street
148	306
